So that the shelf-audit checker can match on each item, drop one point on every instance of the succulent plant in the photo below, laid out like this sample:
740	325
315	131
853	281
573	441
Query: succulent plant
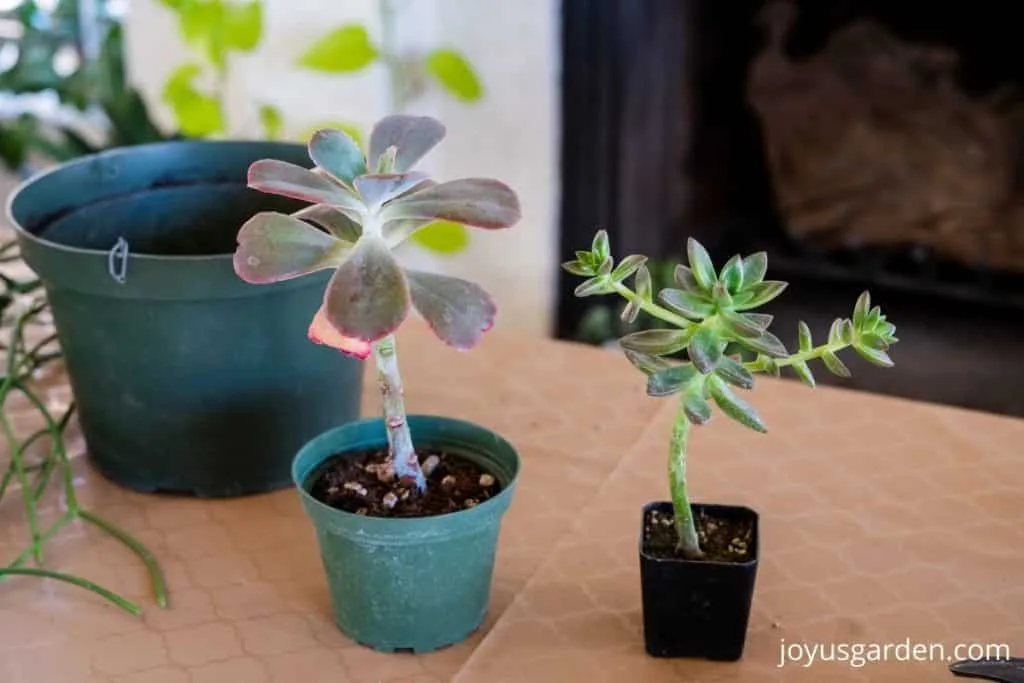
711	321
362	208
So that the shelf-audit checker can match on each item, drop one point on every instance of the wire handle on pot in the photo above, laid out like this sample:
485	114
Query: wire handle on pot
117	261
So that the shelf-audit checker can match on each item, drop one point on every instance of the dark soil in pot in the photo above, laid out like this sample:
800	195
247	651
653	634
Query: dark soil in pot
698	608
362	483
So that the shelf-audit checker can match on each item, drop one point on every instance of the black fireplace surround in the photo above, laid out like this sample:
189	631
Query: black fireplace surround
659	143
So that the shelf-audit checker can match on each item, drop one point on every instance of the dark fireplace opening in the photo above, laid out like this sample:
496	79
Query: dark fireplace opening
863	144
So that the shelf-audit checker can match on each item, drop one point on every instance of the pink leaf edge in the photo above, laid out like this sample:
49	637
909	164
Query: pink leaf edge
322	332
463	347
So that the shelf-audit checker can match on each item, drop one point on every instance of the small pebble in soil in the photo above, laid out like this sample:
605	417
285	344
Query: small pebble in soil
355	487
389	500
448	481
486	481
470	503
429	465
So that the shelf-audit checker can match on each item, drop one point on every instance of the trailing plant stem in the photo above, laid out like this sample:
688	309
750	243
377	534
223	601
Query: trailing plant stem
801	356
652	308
686	528
403	455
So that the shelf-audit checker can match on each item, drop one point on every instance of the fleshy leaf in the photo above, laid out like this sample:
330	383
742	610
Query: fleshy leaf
644	362
274	246
321	332
592	287
689	305
741	326
642	283
656	342
600	246
696	408
806	342
759	294
630	312
333	220
458	311
734	373
577	268
378	189
338	154
411	136
368	297
860	310
767	343
700	264
804	373
670	381
685	279
834	365
734	406
479	202
704	350
732	274
874	356
290	180
755	266
628	266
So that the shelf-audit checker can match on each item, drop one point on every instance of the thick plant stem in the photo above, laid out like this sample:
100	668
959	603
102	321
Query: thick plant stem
403	455
689	543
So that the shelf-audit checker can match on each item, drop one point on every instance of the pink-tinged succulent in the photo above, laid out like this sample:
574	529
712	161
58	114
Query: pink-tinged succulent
361	209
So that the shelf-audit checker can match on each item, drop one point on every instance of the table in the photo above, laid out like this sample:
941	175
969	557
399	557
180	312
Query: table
883	520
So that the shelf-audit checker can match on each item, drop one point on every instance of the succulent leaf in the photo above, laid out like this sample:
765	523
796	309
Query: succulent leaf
860	310
593	286
835	332
479	202
670	380
731	274
689	305
704	350
834	365
873	341
846	331
601	248
755	267
642	283
645	362
458	311
734	373
333	220
874	356
411	136
803	371
767	343
761	320
628	266
630	312
274	246
759	294
577	268
367	298
696	407
700	264
377	189
733	406
290	180
684	278
656	342
338	154
606	266
322	332
806	341
741	325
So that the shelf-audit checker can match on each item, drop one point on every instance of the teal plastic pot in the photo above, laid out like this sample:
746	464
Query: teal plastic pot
410	584
186	378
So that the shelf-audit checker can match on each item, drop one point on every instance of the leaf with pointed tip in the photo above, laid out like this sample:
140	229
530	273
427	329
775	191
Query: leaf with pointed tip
642	283
835	333
733	406
689	305
761	320
645	362
734	373
683	277
696	408
290	180
700	264
593	286
755	267
873	341
273	247
767	343
656	342
458	311
479	202
670	381
731	274
411	136
577	268
759	294
367	298
333	220
860	310
377	189
720	295
628	266
834	365
601	247
321	332
740	325
630	312
337	153
846	331
874	356
704	350
874	317
606	266
806	342
803	371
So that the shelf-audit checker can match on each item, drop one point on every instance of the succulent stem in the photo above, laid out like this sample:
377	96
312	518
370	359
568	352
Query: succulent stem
686	529
652	308
403	455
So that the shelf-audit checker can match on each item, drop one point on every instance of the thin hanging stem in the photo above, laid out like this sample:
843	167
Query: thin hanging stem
123	603
403	455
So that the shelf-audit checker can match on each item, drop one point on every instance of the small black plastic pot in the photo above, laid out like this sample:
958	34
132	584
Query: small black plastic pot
695	608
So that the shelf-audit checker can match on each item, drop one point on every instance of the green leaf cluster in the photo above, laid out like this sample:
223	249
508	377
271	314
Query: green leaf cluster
709	317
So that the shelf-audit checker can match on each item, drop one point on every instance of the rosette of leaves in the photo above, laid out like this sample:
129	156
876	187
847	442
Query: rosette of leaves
712	322
362	207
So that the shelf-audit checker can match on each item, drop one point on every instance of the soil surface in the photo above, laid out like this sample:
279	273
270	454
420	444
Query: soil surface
722	540
362	484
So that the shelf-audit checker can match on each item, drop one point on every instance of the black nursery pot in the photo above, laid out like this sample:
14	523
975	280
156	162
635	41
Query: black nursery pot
693	608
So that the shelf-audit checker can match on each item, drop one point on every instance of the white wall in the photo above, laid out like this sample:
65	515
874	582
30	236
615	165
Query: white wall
512	134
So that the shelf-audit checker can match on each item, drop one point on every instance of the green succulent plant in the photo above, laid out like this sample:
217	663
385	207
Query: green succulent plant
711	318
362	207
